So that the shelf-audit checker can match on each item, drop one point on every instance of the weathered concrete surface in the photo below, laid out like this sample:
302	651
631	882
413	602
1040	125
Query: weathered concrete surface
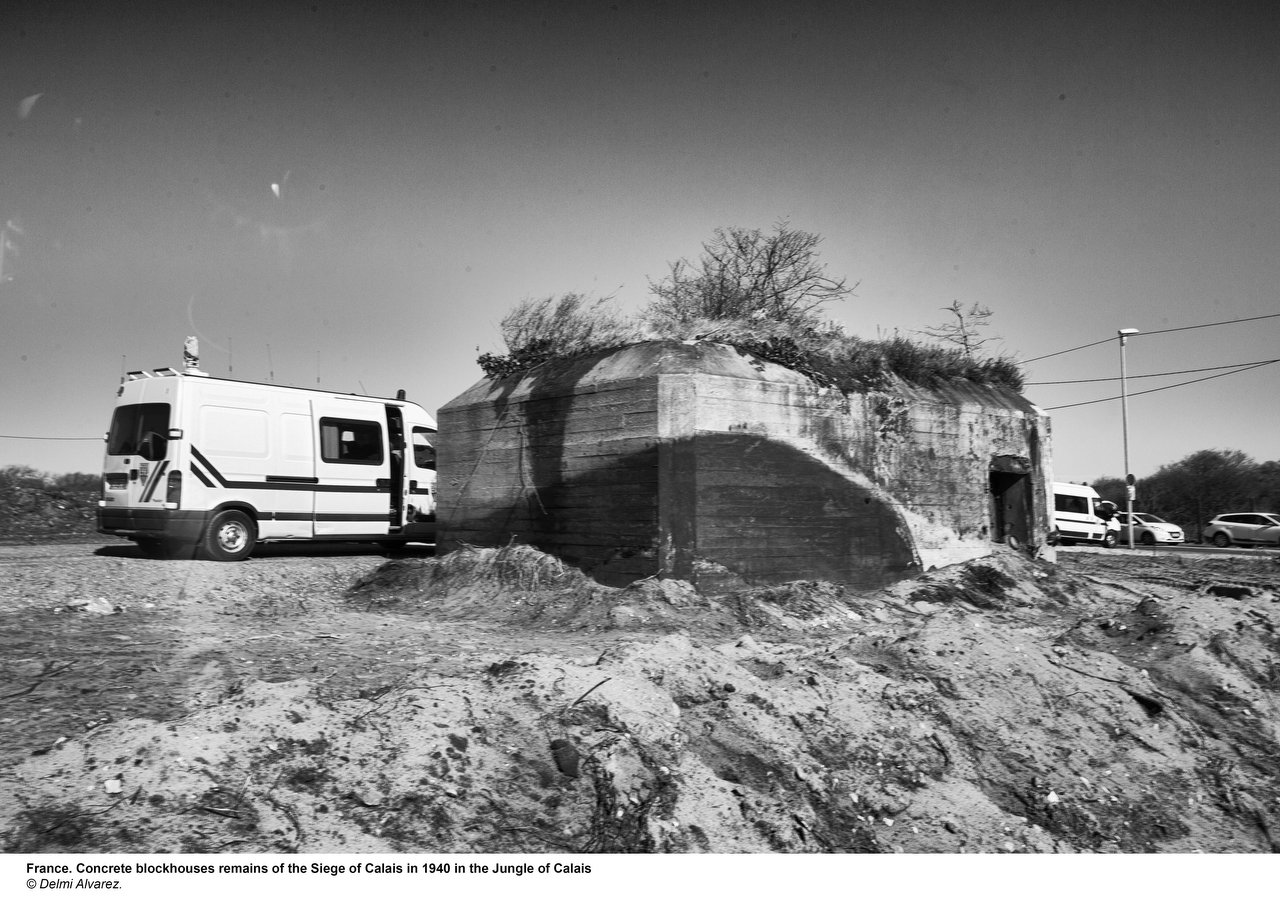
690	460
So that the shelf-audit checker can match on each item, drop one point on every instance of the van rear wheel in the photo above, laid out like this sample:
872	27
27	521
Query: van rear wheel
230	537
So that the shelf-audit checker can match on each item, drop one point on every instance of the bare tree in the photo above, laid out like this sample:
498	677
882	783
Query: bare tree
965	329
748	275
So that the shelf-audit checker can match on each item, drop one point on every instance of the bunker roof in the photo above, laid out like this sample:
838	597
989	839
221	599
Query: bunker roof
648	359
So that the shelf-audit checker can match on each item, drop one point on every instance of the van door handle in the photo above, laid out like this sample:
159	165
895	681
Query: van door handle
133	475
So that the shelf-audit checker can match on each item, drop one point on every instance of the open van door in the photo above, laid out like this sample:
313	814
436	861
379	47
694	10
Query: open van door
422	481
399	470
353	470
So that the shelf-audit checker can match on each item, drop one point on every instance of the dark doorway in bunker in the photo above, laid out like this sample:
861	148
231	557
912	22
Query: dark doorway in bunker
1011	500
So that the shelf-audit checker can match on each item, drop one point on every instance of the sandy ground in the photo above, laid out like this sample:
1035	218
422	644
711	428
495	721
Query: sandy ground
493	701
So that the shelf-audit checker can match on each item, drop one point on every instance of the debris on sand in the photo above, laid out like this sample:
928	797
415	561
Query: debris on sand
496	700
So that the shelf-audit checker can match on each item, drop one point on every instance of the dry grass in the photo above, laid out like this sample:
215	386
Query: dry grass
539	330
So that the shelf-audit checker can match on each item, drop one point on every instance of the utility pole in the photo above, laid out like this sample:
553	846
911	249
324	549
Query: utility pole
1124	424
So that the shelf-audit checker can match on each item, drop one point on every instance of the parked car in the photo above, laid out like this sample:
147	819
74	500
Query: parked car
1256	529
1149	529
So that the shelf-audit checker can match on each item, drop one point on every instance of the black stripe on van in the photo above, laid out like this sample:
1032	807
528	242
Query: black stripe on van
197	455
286	482
155	480
350	518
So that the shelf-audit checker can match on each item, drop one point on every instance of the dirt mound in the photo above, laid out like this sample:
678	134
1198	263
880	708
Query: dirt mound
1099	705
472	572
520	585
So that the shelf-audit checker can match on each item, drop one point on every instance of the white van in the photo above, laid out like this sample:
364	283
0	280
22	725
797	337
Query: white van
1076	517
224	465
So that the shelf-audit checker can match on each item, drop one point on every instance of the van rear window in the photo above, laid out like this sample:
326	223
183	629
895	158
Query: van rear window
130	424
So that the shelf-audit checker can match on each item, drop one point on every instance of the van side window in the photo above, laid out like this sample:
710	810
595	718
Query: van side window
344	440
424	453
1071	504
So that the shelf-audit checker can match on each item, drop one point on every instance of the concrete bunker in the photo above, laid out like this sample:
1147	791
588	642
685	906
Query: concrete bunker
691	460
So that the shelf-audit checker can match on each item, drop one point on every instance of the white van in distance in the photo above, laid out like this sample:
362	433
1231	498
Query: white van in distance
223	465
1076	517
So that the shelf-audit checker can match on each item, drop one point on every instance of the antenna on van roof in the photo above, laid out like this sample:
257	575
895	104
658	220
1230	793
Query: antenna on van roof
271	370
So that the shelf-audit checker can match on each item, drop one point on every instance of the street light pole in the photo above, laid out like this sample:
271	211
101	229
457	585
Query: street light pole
1124	424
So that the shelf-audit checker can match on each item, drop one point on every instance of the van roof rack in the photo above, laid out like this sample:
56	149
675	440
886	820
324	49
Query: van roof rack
147	374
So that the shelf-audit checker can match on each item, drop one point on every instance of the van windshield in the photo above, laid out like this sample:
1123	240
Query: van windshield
132	426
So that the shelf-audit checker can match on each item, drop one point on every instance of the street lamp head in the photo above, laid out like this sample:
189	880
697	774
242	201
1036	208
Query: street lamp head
1124	332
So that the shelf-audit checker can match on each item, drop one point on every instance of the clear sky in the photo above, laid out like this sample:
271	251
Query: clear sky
1077	168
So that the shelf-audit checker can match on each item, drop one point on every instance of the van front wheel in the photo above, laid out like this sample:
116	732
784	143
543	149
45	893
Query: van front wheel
230	537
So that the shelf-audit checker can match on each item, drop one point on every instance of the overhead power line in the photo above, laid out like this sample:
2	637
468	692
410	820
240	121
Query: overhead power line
1143	392
1140	376
25	437
1069	350
1203	325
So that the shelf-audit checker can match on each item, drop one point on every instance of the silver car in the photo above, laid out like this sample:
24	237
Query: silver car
1149	529
1257	529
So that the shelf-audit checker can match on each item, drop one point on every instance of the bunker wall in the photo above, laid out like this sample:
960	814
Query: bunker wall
690	461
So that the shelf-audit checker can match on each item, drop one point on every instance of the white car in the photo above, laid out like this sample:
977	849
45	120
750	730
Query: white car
1149	529
1244	530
